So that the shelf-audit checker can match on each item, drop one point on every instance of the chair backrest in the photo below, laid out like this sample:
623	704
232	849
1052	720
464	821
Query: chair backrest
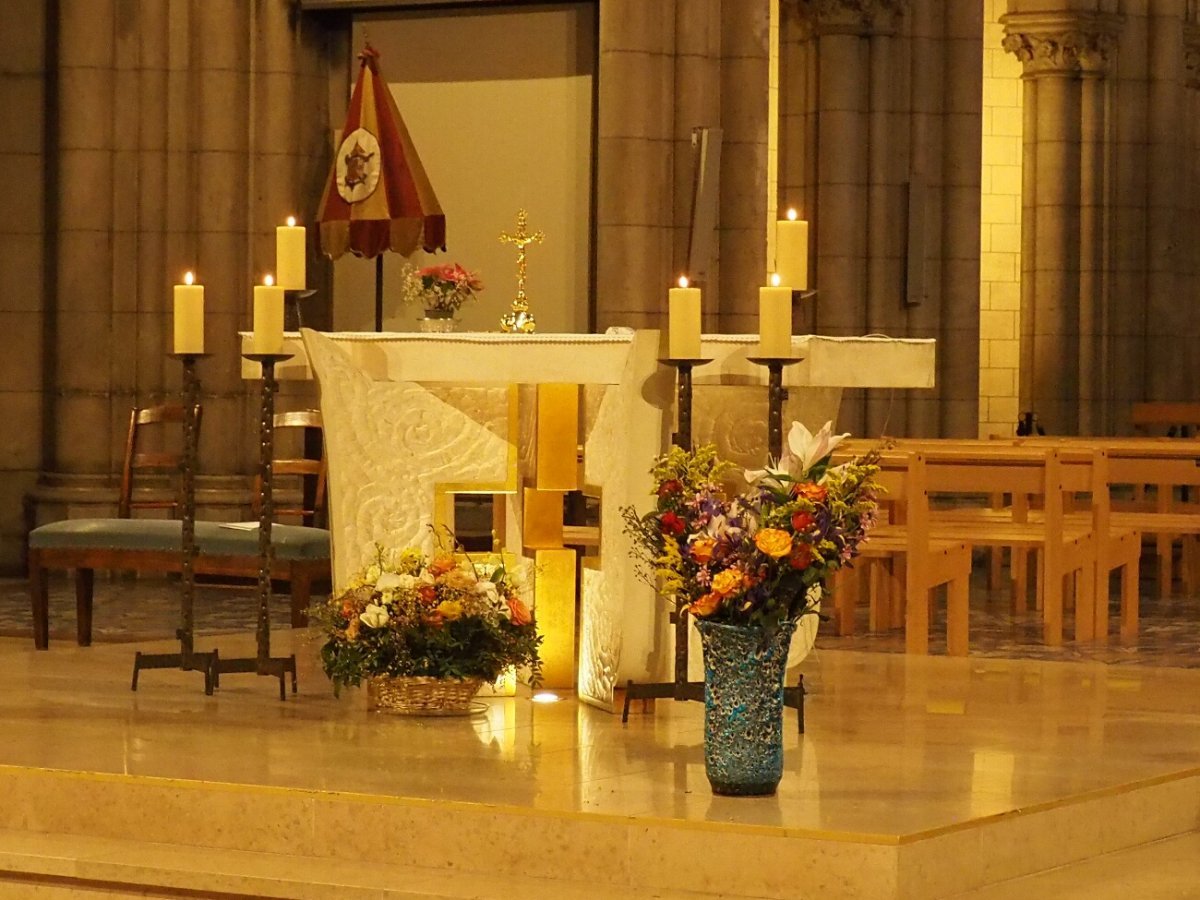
139	460
310	467
1175	419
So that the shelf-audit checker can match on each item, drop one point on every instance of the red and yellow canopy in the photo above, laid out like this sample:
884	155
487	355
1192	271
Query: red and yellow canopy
378	196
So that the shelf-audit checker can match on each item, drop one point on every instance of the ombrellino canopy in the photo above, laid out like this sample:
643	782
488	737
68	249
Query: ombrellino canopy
377	196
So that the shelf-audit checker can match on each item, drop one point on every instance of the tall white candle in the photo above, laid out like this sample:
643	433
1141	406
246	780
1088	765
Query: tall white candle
290	262
268	317
791	251
775	319
189	316
683	321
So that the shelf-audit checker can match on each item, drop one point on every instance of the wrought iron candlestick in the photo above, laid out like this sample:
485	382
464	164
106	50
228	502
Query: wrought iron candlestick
187	659
776	397
519	318
263	663
292	318
679	688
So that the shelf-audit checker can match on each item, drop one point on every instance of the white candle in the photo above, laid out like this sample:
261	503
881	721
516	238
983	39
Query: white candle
683	321
775	319
268	317
290	260
189	316
791	251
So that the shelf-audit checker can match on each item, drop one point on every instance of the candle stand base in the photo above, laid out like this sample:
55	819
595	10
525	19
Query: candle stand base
274	666
196	662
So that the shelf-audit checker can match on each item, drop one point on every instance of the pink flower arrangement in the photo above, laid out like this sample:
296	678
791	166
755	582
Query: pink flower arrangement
444	288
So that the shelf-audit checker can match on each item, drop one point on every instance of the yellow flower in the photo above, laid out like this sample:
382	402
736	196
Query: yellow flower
726	582
450	610
773	542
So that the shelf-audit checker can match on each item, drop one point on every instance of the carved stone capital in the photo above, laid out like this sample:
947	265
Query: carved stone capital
858	17
1062	44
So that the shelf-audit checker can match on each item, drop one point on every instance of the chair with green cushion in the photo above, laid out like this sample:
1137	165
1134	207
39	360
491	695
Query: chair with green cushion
301	553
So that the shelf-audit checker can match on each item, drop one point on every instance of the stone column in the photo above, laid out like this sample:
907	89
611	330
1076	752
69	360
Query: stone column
1064	312
635	163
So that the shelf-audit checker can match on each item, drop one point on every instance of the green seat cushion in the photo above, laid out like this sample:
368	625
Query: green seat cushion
212	538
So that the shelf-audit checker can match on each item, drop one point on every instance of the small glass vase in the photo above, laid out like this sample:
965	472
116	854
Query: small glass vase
437	321
743	706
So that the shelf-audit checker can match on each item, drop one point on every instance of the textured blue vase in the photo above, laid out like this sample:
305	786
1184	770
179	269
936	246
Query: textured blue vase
743	706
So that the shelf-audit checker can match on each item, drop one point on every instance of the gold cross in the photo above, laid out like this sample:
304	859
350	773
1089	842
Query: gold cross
519	318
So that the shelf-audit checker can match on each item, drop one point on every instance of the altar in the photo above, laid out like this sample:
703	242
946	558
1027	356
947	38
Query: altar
411	420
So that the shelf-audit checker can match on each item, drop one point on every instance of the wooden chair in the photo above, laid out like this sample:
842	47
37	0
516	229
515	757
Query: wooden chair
902	558
301	554
307	503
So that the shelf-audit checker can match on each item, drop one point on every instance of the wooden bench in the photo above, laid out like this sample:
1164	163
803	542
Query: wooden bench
902	559
301	553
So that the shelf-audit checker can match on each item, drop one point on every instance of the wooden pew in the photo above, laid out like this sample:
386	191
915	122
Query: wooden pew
913	559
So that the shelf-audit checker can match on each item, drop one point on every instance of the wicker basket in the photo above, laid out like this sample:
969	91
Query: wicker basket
422	695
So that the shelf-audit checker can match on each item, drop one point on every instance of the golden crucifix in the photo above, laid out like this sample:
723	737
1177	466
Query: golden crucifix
519	318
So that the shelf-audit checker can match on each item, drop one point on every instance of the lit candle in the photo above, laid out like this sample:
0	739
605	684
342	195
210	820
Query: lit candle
189	316
268	317
791	251
683	321
775	319
289	256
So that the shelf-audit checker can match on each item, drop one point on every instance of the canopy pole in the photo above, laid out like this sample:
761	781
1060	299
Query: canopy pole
379	292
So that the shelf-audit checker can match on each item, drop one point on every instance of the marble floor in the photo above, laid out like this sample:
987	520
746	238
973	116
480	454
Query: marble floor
899	752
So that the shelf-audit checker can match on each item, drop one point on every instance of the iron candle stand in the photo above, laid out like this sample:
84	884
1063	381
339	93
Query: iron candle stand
776	397
679	688
263	663
292	320
187	659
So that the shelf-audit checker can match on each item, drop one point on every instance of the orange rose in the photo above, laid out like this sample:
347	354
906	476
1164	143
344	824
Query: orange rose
801	557
702	549
427	592
773	542
810	491
442	563
706	605
519	611
726	582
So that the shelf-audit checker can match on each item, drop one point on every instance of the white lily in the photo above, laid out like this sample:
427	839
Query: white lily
374	616
771	473
388	581
488	589
809	449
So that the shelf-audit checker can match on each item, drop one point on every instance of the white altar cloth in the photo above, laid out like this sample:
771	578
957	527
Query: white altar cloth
405	412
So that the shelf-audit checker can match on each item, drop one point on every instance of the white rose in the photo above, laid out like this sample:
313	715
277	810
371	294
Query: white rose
488	589
374	616
406	582
427	577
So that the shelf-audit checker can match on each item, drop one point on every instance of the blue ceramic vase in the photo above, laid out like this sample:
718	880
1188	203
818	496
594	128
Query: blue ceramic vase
743	706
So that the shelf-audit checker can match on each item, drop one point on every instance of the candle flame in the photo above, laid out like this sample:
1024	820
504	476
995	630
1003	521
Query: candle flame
683	281
776	280
791	215
188	278
291	220
268	280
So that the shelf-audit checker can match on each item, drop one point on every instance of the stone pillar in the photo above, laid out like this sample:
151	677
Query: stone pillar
23	176
880	132
745	58
1064	248
635	132
185	132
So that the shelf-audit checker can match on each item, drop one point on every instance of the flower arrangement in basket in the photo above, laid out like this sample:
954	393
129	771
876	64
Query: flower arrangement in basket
761	557
427	632
440	289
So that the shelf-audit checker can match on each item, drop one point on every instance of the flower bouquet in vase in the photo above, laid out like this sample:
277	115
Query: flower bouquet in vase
440	291
426	633
748	566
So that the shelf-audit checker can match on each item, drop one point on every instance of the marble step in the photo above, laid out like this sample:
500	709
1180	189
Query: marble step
62	866
1163	870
